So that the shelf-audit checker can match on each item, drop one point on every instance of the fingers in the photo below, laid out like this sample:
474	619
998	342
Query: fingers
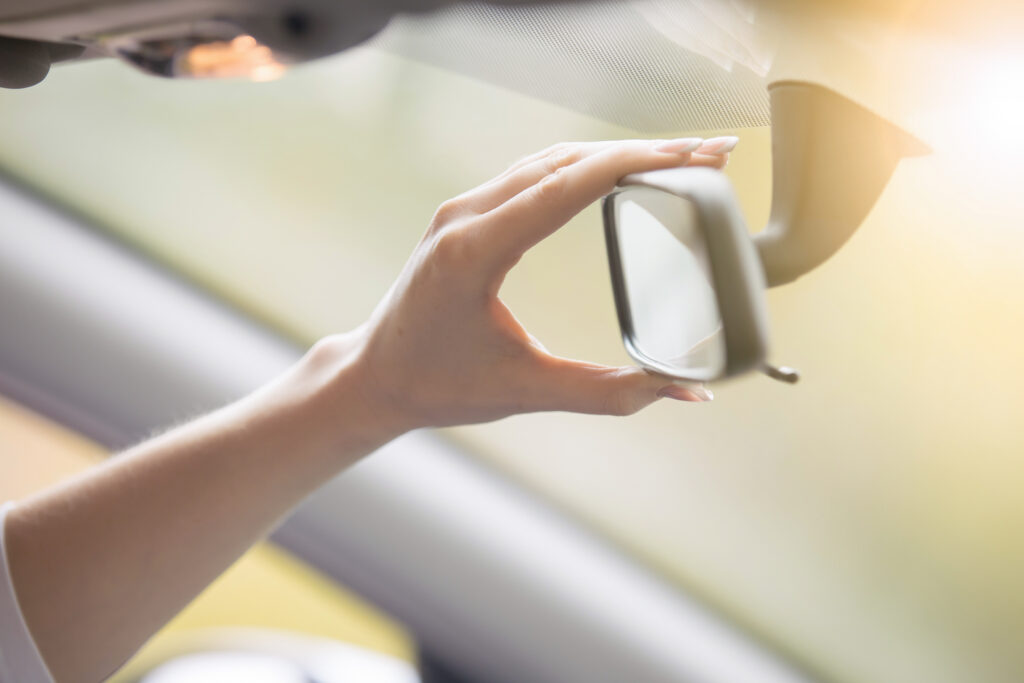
512	203
582	387
524	175
540	209
529	172
530	158
714	153
720	145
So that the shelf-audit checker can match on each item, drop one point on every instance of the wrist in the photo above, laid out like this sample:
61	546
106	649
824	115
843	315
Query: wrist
341	398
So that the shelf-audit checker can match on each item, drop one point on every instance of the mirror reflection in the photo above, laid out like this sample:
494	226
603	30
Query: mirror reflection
668	283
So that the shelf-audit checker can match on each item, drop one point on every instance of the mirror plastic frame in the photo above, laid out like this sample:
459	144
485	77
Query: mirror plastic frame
738	278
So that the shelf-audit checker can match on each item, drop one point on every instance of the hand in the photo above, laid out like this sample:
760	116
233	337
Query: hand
441	348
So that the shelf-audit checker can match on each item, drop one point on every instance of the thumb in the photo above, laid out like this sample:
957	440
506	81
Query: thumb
583	387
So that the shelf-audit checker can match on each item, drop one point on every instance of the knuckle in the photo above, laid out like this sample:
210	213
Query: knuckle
562	157
532	158
620	403
550	186
448	211
556	148
627	396
450	247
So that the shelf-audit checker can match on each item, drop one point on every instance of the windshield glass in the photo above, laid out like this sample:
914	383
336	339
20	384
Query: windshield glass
867	521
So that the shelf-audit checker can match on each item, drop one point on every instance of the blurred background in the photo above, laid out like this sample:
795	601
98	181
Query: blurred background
867	522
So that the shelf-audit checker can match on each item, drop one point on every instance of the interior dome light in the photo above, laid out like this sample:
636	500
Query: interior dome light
198	50
240	57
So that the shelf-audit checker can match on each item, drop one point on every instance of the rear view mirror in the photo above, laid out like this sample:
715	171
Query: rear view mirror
688	283
689	279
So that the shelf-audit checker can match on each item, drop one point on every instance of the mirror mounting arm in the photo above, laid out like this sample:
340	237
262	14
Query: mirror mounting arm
831	159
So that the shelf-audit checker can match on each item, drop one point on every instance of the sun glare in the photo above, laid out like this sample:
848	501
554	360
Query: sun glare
971	112
995	103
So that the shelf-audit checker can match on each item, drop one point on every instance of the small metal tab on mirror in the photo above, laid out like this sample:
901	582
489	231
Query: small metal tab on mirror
783	373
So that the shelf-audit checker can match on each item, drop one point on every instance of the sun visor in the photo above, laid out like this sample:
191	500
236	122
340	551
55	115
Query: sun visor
654	67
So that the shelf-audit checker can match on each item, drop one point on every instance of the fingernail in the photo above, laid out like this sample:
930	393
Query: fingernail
679	146
720	145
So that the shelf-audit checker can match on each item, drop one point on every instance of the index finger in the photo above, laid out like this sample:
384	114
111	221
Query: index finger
510	229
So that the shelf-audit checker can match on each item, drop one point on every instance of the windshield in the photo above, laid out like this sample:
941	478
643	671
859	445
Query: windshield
867	521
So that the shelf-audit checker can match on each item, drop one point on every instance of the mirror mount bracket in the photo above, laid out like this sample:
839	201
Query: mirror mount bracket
831	160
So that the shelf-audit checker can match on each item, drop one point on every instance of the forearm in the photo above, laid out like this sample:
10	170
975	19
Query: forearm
100	563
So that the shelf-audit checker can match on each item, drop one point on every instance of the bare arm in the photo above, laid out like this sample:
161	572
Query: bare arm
101	562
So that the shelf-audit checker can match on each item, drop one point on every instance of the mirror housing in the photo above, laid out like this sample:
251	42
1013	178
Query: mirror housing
831	159
736	273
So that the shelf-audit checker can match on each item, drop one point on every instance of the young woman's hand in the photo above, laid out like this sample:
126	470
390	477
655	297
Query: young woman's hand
442	348
153	526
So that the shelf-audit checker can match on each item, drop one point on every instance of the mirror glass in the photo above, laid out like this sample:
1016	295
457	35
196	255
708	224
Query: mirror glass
668	284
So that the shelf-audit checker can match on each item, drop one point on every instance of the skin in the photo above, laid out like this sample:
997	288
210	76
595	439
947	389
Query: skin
101	562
